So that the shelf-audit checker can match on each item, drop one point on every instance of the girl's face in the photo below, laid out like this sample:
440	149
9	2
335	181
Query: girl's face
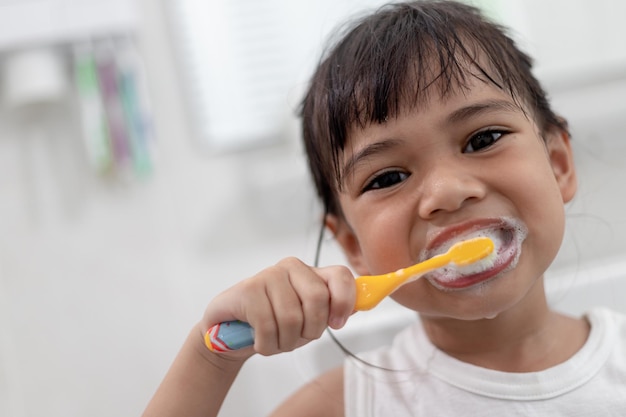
472	164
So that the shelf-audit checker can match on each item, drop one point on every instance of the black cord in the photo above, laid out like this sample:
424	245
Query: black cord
320	239
341	346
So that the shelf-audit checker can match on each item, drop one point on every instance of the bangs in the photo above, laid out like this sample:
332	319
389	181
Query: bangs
406	61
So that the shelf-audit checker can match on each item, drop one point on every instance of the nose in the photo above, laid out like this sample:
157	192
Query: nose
448	187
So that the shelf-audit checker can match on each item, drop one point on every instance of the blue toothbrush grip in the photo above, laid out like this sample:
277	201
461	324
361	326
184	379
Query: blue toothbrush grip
229	335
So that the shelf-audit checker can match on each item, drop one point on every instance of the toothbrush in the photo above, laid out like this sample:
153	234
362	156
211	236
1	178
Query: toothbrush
370	289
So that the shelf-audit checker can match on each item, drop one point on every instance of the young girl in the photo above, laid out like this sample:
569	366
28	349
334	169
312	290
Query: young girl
424	126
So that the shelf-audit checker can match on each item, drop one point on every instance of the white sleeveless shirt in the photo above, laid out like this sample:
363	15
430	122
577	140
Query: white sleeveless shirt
427	382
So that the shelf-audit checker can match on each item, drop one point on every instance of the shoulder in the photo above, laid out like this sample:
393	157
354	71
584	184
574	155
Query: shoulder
608	332
608	319
323	396
616	321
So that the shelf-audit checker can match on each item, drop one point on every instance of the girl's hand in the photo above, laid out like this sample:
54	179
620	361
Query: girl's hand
288	305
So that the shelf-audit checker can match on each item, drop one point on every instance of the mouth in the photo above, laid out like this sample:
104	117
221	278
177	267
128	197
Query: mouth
507	235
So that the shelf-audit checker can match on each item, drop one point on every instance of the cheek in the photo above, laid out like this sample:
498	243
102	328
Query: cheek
384	236
541	207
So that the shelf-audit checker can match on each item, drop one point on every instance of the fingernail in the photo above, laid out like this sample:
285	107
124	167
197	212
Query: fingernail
336	322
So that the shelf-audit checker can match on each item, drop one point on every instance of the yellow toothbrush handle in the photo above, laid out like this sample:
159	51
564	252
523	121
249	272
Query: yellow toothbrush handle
372	289
369	288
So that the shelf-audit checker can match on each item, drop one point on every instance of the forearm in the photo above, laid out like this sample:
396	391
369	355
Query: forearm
196	383
288	305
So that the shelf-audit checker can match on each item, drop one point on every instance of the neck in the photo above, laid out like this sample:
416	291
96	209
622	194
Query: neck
525	338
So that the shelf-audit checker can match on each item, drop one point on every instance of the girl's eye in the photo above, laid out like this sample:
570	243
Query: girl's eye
385	180
482	140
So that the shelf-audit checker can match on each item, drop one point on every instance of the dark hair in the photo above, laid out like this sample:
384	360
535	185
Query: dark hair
394	58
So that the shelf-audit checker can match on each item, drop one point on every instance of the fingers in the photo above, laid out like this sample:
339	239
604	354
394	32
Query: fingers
288	304
286	290
306	311
341	285
305	301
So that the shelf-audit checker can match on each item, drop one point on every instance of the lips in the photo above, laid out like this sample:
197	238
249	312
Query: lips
507	235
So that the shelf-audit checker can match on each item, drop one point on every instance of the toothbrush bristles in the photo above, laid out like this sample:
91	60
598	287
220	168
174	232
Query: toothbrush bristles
472	250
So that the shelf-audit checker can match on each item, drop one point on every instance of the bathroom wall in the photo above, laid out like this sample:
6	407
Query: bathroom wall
101	278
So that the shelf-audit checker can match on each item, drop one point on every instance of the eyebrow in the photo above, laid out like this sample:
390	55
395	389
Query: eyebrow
480	108
366	152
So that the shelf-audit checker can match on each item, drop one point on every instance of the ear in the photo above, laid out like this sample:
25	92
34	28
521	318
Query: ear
348	241
562	161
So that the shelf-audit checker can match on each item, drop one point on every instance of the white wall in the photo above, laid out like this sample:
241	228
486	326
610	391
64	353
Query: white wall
100	281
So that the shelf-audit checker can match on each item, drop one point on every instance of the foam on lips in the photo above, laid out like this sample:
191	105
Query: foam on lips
507	235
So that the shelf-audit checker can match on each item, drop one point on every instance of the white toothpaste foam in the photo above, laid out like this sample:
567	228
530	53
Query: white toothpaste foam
506	240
